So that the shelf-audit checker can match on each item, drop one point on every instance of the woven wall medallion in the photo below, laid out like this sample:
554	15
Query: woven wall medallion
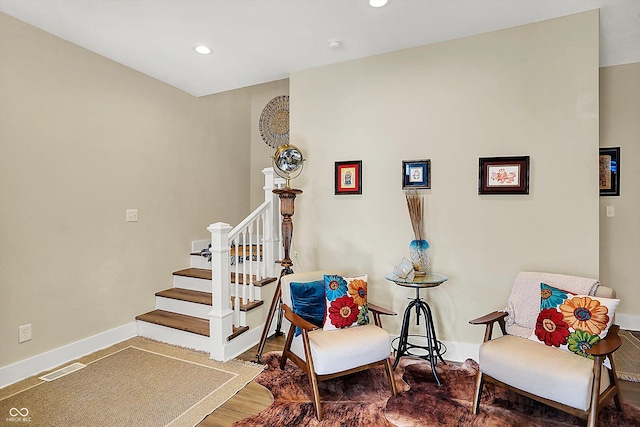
274	122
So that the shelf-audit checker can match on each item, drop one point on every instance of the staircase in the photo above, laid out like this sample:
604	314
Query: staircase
217	305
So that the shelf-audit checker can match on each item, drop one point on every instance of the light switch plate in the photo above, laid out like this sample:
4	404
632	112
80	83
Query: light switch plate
132	215
610	211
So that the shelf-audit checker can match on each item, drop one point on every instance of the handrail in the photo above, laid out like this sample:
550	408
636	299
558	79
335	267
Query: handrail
235	231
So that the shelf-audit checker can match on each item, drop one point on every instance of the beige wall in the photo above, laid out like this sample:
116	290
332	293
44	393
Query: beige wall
82	139
620	235
530	90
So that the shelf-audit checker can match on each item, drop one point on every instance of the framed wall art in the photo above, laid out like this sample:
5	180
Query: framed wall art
503	175
610	171
348	177
416	174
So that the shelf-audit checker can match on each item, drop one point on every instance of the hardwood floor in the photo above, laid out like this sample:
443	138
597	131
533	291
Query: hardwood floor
250	400
254	398
630	391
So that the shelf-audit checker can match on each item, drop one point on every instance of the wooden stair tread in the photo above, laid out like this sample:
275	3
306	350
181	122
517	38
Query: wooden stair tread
185	323
201	273
264	281
198	273
176	321
237	331
188	295
248	306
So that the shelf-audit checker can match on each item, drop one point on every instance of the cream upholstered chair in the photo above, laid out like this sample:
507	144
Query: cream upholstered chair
551	375
329	354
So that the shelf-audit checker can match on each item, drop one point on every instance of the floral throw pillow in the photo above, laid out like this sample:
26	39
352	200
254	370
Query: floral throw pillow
572	322
346	302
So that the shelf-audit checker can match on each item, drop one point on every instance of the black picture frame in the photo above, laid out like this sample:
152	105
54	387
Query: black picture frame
416	174
609	176
503	175
348	177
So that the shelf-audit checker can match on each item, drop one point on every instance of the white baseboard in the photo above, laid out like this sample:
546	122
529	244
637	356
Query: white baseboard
43	362
630	322
461	351
244	342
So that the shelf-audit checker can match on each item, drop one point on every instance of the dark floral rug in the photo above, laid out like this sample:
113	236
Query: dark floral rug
364	399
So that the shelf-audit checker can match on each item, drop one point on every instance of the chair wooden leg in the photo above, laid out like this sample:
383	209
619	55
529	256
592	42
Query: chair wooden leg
592	420
315	394
311	374
287	347
392	382
613	379
478	393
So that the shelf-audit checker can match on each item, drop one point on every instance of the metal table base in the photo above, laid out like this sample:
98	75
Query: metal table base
433	347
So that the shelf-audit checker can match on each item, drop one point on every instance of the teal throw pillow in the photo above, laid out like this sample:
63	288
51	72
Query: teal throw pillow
308	302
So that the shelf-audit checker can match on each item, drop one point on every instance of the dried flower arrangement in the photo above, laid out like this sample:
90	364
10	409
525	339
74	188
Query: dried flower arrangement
414	203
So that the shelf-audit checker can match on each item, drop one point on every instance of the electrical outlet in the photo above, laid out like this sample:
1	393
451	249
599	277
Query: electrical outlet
24	333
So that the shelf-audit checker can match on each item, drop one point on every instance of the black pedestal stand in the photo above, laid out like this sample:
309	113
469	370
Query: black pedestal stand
433	346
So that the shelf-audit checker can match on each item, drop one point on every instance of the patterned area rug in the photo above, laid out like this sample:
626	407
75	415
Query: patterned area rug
354	400
364	399
499	407
627	357
139	382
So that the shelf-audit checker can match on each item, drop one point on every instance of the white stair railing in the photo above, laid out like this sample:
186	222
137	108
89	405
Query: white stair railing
259	230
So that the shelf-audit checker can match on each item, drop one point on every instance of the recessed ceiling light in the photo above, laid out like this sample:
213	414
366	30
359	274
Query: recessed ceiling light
202	50
378	3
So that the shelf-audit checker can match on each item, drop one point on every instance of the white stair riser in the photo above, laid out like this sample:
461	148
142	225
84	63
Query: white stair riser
253	265
198	245
192	283
183	307
253	318
173	336
257	292
198	261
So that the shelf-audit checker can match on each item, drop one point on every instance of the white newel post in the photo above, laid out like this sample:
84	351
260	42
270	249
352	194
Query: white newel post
272	224
221	315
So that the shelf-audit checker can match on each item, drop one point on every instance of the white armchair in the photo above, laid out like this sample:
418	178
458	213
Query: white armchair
329	354
546	373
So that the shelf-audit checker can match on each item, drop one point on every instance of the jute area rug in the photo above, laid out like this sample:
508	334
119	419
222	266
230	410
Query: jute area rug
364	399
627	357
138	382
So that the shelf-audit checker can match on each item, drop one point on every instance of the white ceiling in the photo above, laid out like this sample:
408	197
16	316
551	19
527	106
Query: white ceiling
257	41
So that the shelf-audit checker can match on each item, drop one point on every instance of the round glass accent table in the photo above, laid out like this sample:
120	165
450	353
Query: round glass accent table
423	346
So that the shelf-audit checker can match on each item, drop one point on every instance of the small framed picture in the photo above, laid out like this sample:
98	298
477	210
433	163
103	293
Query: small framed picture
610	171
348	177
416	174
504	175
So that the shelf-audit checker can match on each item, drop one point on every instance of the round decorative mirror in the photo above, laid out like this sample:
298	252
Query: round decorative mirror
274	122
